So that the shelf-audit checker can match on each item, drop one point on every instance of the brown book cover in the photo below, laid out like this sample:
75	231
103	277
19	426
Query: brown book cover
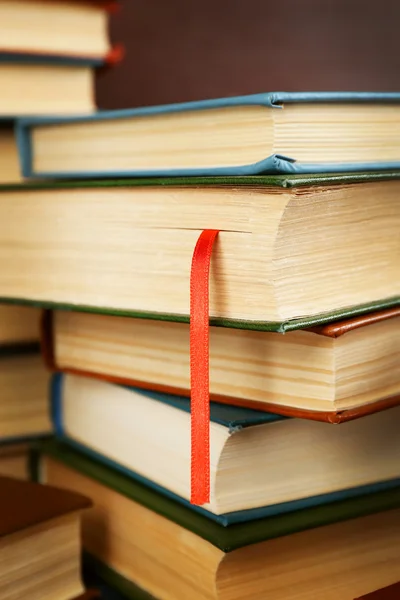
24	504
338	328
392	592
333	330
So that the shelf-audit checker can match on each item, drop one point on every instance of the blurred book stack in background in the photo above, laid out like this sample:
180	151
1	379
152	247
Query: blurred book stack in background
24	384
48	53
40	546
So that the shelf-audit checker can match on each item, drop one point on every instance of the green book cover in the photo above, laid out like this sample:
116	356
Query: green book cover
282	181
278	181
228	538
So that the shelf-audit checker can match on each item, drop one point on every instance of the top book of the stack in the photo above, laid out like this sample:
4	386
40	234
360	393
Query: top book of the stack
264	133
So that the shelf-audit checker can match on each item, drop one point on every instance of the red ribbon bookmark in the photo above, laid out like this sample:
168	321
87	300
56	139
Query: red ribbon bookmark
200	367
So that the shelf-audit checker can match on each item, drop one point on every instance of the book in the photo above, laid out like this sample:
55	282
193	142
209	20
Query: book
172	552
19	325
276	132
342	370
23	400
40	541
76	30
291	252
253	472
32	86
14	461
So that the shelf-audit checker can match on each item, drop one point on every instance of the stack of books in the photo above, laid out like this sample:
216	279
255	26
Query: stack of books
297	495
40	542
48	53
24	384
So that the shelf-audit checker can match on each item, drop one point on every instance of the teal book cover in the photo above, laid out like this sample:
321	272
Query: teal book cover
234	419
192	131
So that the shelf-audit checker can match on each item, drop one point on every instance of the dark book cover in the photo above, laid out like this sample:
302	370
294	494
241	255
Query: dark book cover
24	504
276	163
224	536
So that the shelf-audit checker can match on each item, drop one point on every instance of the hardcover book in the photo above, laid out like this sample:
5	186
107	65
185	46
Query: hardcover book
23	384
291	251
276	132
172	552
77	29
23	400
146	435
31	85
40	541
348	368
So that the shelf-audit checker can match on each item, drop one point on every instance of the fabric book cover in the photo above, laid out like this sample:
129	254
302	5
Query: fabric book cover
234	114
128	542
45	503
281	183
230	417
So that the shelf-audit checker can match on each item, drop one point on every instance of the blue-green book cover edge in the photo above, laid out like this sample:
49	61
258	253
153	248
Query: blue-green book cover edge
249	417
274	164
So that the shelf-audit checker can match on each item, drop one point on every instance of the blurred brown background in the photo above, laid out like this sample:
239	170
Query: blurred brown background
179	50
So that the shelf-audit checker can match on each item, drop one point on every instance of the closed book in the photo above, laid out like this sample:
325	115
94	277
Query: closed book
172	552
276	132
39	541
348	368
291	251
146	435
14	460
24	382
33	85
75	30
